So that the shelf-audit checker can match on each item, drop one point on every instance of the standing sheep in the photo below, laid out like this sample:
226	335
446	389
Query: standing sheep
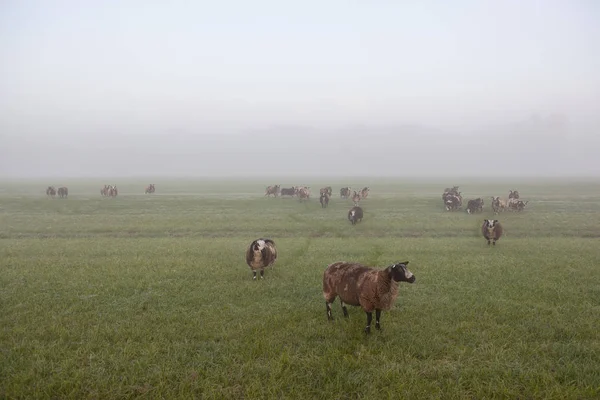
369	288
261	254
324	199
355	214
491	230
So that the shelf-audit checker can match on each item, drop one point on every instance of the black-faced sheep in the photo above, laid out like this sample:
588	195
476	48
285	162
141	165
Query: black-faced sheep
355	214
491	230
261	254
475	206
358	285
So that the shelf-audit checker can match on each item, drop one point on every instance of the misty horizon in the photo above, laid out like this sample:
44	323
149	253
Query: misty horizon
234	89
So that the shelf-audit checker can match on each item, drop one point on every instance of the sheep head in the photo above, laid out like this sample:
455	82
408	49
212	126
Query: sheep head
259	245
490	224
400	273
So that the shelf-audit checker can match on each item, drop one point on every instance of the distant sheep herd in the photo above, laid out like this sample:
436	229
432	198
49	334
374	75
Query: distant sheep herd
355	284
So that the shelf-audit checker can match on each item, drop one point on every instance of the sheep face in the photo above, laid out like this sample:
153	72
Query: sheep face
355	214
400	273
259	245
489	226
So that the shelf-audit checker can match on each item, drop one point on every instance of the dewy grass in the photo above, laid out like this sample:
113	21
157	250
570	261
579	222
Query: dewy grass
150	296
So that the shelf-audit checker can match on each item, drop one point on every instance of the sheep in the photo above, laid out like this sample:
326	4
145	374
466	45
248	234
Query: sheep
355	214
498	204
324	199
261	254
63	192
367	287
356	198
345	192
491	230
475	205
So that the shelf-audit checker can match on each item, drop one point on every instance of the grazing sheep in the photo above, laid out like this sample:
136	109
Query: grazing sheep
520	205
359	285
324	199
288	191
355	214
491	230
261	254
273	190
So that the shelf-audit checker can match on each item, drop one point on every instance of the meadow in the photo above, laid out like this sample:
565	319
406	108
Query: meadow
149	296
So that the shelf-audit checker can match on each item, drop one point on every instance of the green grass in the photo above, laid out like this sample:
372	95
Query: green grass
149	295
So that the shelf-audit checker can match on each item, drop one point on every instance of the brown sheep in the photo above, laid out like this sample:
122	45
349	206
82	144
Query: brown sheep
491	230
261	254
359	285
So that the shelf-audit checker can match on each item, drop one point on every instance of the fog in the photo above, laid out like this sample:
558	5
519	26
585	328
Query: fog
267	88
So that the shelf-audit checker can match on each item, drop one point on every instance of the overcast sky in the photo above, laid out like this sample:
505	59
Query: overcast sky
86	75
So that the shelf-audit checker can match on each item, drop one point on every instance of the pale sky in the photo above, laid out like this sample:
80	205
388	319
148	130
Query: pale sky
73	69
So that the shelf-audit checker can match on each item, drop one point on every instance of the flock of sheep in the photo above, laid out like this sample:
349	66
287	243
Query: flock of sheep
355	284
372	289
105	191
62	191
453	202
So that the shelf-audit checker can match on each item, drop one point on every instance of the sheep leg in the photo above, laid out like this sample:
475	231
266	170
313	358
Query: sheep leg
262	274
369	319
344	309
328	307
377	316
254	275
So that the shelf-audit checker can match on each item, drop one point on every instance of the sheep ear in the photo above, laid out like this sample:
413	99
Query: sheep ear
405	263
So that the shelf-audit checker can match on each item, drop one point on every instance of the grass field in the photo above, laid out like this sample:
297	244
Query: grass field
149	295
